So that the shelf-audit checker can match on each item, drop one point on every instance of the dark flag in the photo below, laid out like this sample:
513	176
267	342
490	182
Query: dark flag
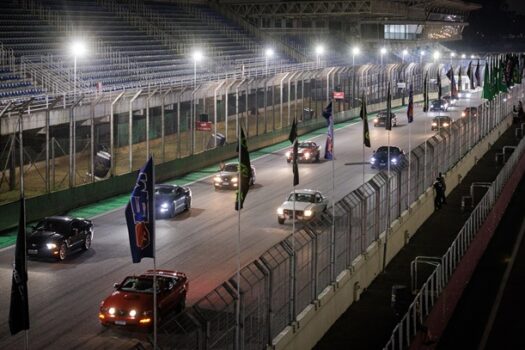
410	109
293	139
425	93
140	215
459	79
477	75
363	115
245	172
439	84
487	88
388	120
453	88
329	147
470	76
19	308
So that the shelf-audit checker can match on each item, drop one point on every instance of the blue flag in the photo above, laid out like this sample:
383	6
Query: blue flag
410	109
140	215
329	147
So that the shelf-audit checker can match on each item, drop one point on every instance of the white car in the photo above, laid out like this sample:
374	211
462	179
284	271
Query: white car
308	204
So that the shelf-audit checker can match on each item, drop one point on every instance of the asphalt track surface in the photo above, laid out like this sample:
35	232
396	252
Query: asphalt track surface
64	297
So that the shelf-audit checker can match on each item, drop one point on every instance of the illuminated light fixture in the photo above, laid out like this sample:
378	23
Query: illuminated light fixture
319	49
197	55
268	52
436	55
355	50
383	50
463	56
78	48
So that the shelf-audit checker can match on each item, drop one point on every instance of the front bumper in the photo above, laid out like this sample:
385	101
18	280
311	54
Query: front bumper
125	321
43	252
225	184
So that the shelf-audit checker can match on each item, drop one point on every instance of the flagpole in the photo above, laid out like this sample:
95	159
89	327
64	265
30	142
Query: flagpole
154	262
387	202
238	276
21	170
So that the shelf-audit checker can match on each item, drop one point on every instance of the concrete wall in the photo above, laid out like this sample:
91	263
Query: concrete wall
317	318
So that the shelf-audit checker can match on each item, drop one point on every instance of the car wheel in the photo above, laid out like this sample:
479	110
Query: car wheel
62	252
280	220
87	242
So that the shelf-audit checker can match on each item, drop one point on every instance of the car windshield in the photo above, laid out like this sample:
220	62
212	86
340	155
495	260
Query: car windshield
230	168
305	145
53	225
137	284
302	197
164	190
385	149
436	103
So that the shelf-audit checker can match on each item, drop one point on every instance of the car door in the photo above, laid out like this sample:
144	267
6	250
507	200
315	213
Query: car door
75	233
179	200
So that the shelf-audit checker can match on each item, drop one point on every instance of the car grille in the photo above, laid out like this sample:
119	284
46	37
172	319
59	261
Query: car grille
121	312
289	212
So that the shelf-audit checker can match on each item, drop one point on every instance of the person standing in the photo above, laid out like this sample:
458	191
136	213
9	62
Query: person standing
441	179
438	188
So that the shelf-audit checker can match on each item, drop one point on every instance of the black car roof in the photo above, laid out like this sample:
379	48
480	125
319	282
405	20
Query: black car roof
61	218
385	148
442	117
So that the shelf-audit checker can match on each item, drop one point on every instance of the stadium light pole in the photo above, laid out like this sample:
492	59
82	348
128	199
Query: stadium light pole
355	52
436	56
403	54
382	53
197	57
268	54
452	55
319	50
78	49
421	54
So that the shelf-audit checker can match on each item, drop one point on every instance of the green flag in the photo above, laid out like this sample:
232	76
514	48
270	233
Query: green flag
245	172
363	114
487	86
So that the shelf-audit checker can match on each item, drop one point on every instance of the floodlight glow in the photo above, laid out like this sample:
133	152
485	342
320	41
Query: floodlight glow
472	56
355	50
197	55
452	54
319	49
422	53
383	50
405	52
463	56
78	48
268	53
436	55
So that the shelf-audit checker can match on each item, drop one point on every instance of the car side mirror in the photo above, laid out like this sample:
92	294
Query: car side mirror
116	285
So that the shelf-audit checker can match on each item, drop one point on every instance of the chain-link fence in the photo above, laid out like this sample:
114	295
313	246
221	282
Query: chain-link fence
288	277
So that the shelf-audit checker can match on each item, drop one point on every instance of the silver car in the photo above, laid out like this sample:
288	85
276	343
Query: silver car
228	177
308	204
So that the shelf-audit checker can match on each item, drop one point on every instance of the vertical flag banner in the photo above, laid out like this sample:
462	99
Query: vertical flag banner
245	171
453	89
293	139
460	73
487	89
470	76
140	215
388	120
19	308
363	115
477	75
425	93
327	113
438	79
410	109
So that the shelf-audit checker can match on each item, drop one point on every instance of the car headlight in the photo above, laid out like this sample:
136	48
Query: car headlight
133	313
111	311
308	212
288	154
280	211
217	179
445	124
434	124
372	160
234	179
376	120
306	155
393	160
51	245
463	114
164	205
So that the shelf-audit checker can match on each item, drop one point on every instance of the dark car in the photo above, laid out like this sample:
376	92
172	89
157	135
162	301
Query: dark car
441	122
470	112
56	236
439	106
380	119
307	151
379	159
131	304
171	200
228	177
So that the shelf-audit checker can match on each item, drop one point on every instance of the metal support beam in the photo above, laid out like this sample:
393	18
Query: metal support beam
112	135
130	130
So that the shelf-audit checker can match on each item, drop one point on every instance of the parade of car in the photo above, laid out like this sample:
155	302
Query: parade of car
228	177
171	200
57	236
379	159
307	151
131	303
306	204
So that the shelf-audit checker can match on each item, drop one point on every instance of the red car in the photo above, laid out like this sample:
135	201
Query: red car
307	151
131	304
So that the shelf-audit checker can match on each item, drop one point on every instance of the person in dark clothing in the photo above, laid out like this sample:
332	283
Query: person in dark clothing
441	179
440	193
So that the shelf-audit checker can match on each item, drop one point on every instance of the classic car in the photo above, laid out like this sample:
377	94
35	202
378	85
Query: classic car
380	119
228	177
131	303
308	204
56	236
307	151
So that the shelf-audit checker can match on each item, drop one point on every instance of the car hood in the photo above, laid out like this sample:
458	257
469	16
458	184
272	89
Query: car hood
162	198
38	237
130	300
227	174
298	205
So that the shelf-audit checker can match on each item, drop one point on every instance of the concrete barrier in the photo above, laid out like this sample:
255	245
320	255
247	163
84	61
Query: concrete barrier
316	319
